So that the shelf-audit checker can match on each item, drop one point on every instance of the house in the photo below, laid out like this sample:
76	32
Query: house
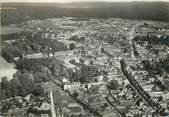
16	112
148	87
111	114
45	106
97	104
156	93
72	86
68	65
74	107
34	56
102	89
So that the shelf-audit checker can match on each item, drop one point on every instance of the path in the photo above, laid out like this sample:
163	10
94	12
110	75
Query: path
52	105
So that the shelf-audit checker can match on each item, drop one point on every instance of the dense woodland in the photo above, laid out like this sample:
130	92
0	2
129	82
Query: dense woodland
160	67
135	10
30	72
30	44
153	40
34	71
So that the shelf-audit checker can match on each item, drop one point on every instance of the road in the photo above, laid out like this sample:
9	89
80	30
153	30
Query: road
53	112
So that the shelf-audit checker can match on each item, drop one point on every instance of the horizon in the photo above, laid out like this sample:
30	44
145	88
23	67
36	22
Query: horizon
72	1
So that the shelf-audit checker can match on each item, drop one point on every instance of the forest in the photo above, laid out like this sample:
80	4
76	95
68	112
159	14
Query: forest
153	40
29	44
134	10
35	71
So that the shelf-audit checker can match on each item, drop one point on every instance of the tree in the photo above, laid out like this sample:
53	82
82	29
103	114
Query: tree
27	82
135	50
8	93
81	60
56	69
72	46
16	79
38	77
66	74
16	84
47	70
87	73
2	94
38	91
29	64
7	55
72	61
57	46
160	98
22	91
113	85
91	62
5	84
9	52
29	49
75	94
102	50
17	75
36	47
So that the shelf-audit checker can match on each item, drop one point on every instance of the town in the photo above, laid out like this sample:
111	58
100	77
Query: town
91	67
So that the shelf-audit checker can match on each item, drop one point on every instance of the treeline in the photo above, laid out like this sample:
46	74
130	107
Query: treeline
30	44
147	97
30	72
161	67
77	39
21	85
133	10
35	71
87	73
9	52
153	40
10	36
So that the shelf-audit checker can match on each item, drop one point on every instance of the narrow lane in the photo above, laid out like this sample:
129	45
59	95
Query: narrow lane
53	112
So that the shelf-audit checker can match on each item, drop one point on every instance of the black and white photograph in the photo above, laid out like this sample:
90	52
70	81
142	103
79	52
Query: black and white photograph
84	58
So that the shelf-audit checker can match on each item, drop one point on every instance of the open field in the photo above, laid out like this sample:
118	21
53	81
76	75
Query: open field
5	30
6	69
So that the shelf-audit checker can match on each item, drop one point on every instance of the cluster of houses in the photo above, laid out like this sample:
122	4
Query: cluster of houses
28	106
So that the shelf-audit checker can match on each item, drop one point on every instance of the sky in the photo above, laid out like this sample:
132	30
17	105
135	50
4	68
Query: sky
68	1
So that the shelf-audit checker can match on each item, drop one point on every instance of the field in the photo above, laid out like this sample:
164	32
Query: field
5	30
53	22
6	69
